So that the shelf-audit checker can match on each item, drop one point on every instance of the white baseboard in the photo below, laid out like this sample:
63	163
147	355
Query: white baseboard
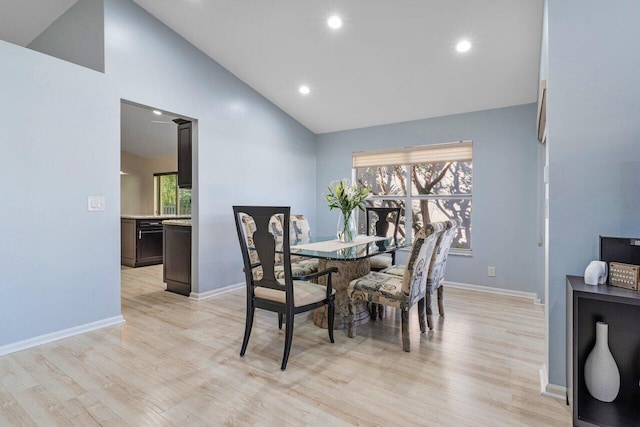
58	335
551	390
216	292
519	294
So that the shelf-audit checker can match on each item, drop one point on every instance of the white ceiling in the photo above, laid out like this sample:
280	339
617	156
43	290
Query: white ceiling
145	134
392	61
22	21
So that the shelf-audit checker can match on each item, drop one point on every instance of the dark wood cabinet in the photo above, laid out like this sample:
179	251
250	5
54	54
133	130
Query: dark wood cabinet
177	259
140	242
620	309
185	131
128	242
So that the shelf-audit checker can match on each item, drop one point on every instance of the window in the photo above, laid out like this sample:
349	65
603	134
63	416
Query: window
434	182
169	198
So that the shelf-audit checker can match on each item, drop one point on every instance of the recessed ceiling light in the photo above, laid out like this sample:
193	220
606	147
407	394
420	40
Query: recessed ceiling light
463	46
157	112
334	22
304	89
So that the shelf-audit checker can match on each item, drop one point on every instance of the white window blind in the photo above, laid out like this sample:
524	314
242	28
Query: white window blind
461	151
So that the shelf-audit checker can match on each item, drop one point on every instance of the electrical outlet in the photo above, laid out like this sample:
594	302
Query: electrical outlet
491	271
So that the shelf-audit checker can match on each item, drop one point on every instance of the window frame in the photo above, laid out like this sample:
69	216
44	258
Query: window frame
157	201
409	198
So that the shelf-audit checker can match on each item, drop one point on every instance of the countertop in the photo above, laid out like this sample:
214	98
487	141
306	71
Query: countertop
180	222
158	217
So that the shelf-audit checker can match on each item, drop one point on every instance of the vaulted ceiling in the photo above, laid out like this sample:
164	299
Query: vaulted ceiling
391	61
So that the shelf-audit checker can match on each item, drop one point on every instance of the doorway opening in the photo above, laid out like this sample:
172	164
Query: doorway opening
156	193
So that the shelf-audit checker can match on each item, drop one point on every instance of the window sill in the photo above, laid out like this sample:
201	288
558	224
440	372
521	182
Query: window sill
461	253
454	252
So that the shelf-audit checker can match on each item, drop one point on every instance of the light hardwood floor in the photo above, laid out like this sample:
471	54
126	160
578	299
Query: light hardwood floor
176	362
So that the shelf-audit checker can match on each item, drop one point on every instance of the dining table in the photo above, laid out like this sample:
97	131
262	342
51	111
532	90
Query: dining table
353	260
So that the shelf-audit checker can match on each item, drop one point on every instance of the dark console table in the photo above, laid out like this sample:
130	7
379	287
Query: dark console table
620	309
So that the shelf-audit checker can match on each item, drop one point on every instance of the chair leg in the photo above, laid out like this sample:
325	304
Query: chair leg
429	312
406	344
280	316
373	311
421	307
247	328
287	340
331	313
441	300
380	311
352	322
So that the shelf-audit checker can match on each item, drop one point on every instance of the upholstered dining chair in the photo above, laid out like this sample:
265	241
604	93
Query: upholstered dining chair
400	291
300	232
435	277
285	296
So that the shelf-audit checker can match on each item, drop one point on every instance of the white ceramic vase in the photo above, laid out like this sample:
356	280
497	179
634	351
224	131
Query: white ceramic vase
600	370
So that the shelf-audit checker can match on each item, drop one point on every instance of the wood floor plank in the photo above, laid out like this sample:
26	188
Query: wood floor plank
175	362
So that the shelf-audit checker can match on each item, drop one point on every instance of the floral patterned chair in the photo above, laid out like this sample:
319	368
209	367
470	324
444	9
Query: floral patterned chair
300	232
435	278
400	291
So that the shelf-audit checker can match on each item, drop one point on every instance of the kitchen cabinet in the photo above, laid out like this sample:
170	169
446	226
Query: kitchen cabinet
620	309
185	128
177	257
141	240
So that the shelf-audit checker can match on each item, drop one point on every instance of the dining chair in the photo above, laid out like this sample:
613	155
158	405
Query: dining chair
399	291
285	296
300	233
435	277
381	228
378	217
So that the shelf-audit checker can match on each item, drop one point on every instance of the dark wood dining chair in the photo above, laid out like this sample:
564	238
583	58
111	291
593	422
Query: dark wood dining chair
286	296
381	228
378	221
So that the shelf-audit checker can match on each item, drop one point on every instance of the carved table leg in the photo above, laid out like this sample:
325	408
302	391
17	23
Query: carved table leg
347	271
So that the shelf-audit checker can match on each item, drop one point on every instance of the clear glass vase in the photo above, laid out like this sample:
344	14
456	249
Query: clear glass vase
347	227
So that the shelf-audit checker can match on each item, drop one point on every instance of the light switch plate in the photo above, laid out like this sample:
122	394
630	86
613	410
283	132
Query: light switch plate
96	203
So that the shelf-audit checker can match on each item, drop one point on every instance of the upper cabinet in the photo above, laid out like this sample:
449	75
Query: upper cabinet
184	152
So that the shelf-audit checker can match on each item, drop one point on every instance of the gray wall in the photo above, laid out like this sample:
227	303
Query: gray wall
76	36
594	124
504	218
60	264
248	150
60	144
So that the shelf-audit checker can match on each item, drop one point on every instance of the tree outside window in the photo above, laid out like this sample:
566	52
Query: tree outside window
169	198
434	191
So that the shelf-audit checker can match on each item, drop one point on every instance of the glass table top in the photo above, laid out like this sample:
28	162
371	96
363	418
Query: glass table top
356	250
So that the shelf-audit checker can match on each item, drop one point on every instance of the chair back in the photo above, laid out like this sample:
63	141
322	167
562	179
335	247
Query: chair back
435	277
300	229
382	224
414	282
259	241
300	232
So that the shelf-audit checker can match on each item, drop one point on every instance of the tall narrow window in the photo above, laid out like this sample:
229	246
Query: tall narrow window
430	183
169	198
